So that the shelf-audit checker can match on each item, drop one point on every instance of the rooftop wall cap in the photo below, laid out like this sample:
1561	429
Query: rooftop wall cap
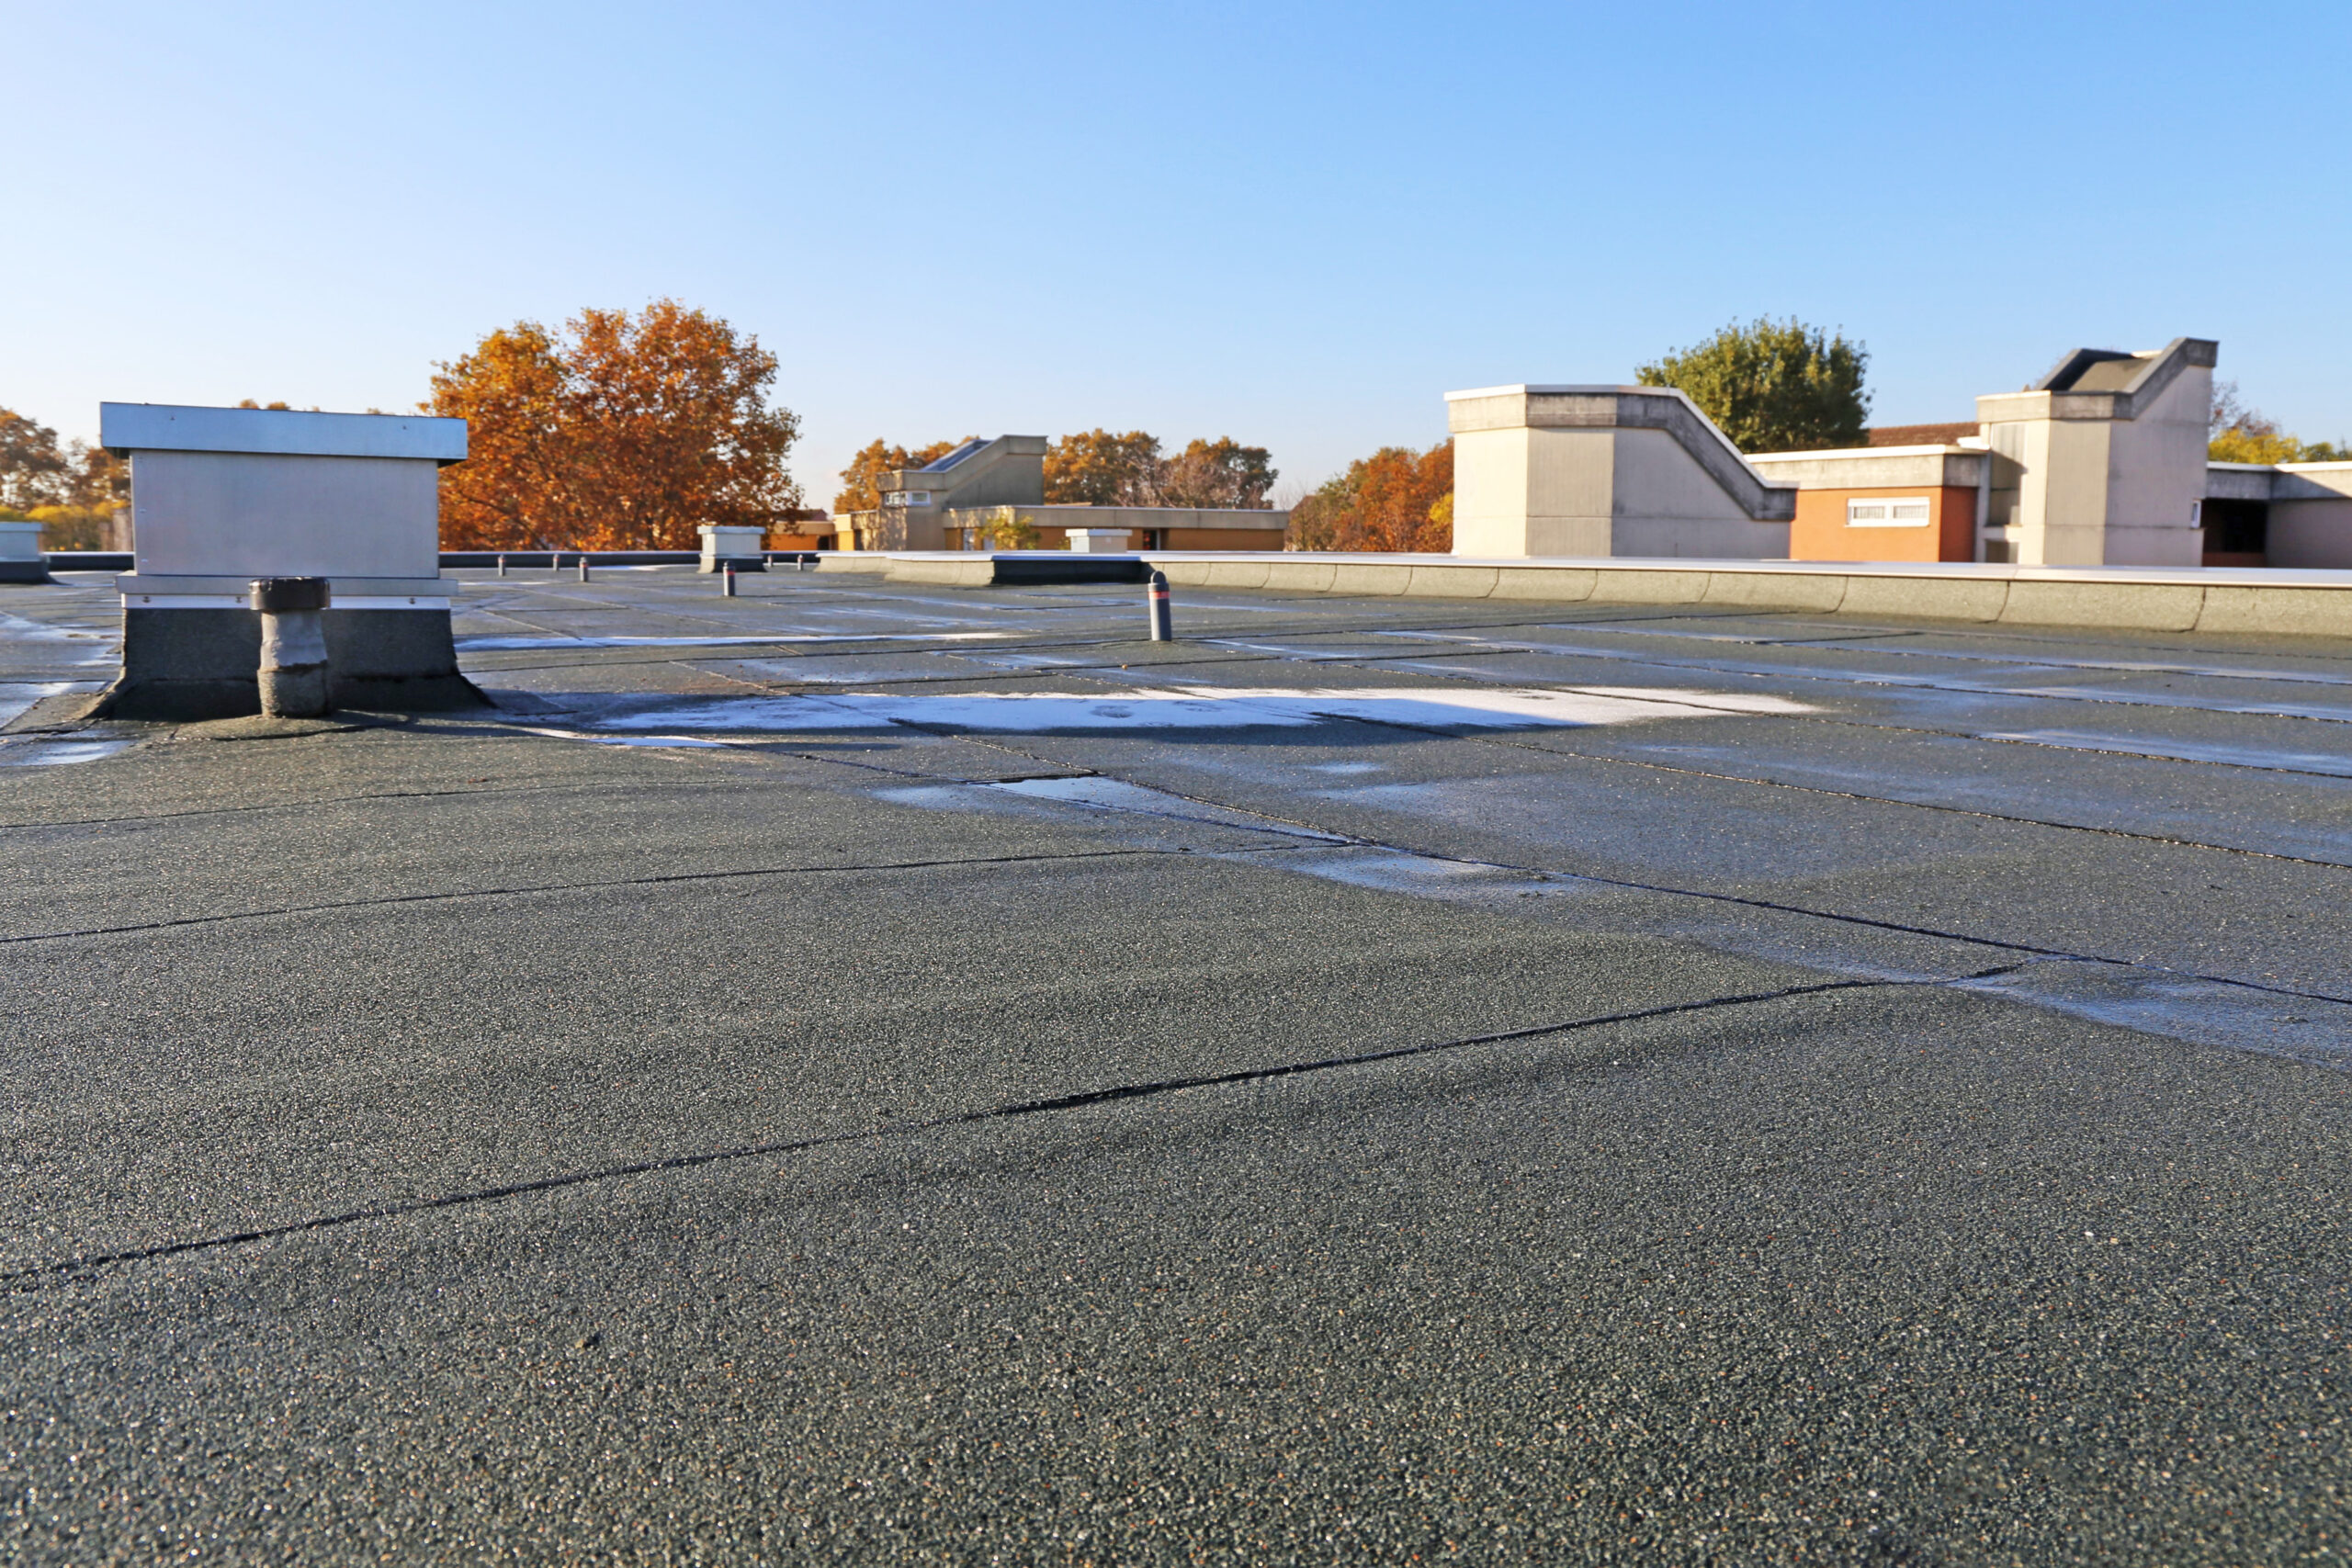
1552	390
2062	394
2072	366
1927	451
1995	571
176	427
1981	572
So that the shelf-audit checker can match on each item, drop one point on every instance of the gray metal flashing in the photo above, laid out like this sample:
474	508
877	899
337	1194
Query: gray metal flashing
173	427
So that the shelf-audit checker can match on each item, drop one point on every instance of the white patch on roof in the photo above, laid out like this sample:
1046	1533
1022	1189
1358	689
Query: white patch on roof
492	644
1204	707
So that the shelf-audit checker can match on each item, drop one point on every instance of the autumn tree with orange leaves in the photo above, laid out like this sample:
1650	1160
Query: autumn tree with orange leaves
1397	498
621	433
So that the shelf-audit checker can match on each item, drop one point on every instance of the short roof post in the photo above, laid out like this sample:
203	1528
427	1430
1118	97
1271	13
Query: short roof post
294	677
1163	617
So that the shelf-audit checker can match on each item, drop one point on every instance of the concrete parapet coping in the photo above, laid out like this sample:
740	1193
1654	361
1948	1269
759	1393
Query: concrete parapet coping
1880	468
2060	395
2273	600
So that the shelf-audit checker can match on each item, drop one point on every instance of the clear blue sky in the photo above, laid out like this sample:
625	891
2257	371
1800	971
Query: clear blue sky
1297	224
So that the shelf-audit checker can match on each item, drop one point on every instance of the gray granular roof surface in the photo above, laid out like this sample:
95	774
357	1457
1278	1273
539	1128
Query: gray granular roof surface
861	1071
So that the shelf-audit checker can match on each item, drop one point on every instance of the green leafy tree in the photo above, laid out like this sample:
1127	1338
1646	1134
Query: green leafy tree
1773	386
1007	528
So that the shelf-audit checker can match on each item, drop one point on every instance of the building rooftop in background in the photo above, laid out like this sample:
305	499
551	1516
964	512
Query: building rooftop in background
940	465
993	488
1944	434
2103	461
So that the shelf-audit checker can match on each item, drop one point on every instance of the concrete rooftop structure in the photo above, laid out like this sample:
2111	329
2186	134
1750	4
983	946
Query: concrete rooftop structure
2101	462
887	1071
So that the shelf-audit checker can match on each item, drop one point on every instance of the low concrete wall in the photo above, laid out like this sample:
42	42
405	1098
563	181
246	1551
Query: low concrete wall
2147	598
2300	603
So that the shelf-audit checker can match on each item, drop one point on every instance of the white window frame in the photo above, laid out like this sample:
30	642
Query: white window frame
1886	517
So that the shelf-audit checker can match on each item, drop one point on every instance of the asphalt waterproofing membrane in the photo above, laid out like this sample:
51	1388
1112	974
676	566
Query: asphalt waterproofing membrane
863	1072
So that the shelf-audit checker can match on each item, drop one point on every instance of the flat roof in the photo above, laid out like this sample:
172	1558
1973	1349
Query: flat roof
824	1067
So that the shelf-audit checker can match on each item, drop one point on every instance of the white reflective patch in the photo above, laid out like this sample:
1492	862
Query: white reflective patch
1207	707
1116	794
17	698
623	740
492	644
55	753
2168	748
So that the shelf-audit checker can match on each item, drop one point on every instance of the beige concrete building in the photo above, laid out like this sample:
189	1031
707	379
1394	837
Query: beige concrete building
956	502
2101	462
1570	470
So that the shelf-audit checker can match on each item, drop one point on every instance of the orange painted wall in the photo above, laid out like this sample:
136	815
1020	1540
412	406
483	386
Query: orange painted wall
1820	532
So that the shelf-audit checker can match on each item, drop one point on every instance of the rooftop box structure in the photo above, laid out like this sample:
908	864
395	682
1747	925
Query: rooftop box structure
221	496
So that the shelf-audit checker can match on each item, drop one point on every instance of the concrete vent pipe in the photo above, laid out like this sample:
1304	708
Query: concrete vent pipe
294	675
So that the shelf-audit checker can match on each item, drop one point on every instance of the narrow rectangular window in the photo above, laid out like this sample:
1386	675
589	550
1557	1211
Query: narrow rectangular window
1901	512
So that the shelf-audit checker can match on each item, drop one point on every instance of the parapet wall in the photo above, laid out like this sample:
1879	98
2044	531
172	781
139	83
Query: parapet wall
2298	603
